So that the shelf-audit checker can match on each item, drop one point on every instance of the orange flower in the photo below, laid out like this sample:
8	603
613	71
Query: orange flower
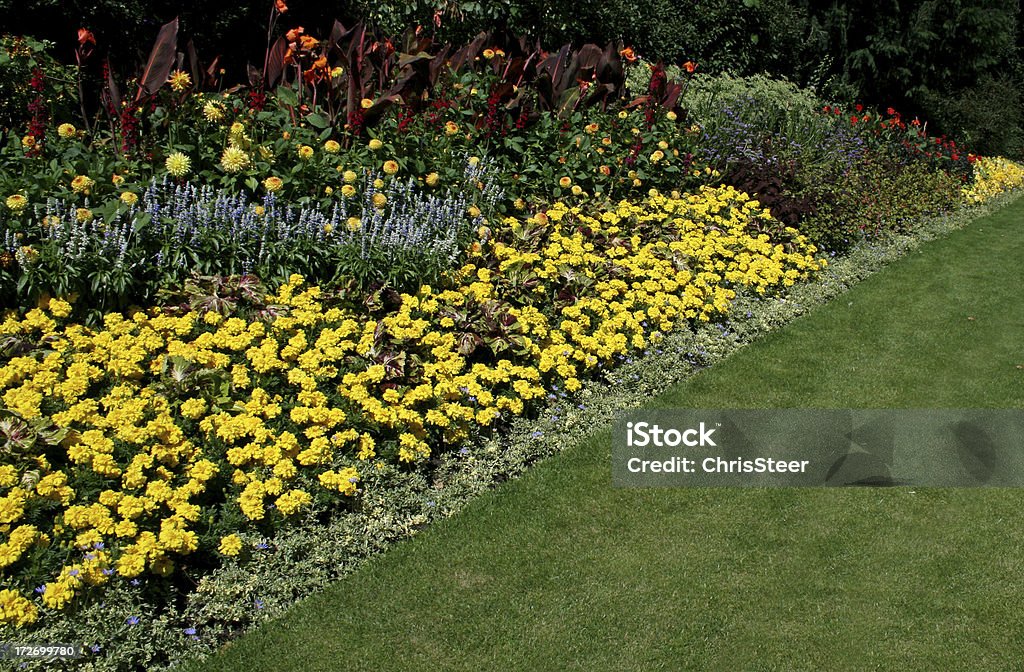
293	34
690	66
281	7
308	43
628	54
84	35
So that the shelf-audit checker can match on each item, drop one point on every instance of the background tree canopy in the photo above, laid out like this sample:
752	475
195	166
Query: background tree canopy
956	63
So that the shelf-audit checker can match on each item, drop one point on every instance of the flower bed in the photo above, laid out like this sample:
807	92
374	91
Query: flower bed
146	444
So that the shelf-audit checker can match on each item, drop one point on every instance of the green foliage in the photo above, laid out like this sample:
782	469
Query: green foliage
880	195
988	115
20	57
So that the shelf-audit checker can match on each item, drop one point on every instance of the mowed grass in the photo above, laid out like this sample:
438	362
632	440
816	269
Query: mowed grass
558	570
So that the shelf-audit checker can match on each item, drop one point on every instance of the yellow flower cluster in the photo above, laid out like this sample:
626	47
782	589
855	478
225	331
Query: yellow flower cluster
317	393
993	176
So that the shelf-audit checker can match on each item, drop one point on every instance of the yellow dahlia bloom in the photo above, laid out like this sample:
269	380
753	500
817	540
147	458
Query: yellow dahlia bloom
565	182
83	214
234	160
129	198
305	152
348	191
379	200
390	167
17	202
82	184
66	131
349	176
213	112
178	165
273	183
375	144
179	80
432	179
332	147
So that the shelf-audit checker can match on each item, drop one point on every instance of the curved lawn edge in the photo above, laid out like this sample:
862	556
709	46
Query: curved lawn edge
633	383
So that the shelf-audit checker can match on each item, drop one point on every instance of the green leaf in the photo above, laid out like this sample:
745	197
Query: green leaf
317	120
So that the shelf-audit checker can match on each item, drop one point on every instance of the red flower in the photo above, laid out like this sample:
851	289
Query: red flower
859	107
690	66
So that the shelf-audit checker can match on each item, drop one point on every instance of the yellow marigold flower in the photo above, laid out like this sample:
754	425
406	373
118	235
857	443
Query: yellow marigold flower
519	204
488	54
292	501
193	409
83	215
379	200
432	179
129	198
81	184
577	190
259	210
349	176
213	112
473	211
230	545
59	308
366	103
328	228
178	165
591	128
273	183
117	180
66	131
234	160
378	183
17	202
451	128
672	116
348	191
375	144
179	80
305	152
28	142
16	610
565	182
354	223
328	190
390	167
332	147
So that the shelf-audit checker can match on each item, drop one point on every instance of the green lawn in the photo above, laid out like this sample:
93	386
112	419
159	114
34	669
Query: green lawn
558	570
